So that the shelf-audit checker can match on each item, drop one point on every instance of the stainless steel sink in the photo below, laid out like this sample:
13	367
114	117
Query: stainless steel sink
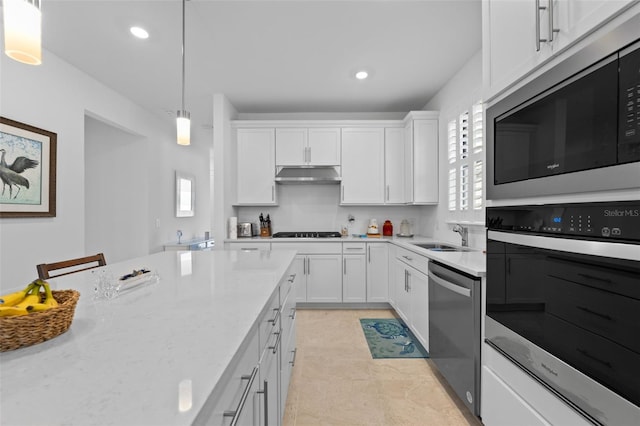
439	247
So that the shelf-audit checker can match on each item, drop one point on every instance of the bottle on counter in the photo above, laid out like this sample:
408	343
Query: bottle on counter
387	228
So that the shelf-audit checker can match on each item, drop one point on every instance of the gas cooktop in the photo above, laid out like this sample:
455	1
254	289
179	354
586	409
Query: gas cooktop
307	234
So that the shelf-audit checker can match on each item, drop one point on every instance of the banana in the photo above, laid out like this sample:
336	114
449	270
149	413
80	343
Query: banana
31	298
49	300
13	299
6	311
38	307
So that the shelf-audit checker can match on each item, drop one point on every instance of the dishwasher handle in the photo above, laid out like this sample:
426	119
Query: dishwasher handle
449	286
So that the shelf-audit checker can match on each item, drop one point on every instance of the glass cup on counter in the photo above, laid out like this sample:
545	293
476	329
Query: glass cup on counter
105	285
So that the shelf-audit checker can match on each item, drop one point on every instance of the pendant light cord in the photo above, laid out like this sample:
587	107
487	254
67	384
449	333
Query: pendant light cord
183	38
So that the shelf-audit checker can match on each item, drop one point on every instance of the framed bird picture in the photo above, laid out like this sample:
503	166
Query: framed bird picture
27	170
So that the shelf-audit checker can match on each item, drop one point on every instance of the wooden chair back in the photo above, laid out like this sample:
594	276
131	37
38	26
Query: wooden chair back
70	266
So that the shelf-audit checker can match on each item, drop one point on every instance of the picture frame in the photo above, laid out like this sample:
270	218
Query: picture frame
185	194
27	170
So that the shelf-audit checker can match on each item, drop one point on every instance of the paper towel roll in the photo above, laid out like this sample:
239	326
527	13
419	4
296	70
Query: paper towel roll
233	228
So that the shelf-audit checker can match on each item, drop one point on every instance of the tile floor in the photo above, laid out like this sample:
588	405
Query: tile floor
336	382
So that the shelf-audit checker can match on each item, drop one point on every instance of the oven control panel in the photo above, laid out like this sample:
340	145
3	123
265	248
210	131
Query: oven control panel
603	221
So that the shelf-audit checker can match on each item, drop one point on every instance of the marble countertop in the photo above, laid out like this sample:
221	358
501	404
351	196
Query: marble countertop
472	262
152	355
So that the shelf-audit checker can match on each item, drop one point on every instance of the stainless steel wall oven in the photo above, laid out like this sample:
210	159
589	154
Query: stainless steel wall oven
575	128
563	301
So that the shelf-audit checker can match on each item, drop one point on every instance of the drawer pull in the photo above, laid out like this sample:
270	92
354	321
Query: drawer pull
275	317
408	258
588	355
292	278
243	399
598	314
292	315
249	248
275	347
265	394
293	360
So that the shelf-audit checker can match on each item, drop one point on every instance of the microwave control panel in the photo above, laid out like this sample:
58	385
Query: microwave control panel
629	106
602	221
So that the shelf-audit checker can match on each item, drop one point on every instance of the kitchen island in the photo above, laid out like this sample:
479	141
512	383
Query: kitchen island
155	354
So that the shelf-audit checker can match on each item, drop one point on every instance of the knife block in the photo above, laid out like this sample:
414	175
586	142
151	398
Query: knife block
265	231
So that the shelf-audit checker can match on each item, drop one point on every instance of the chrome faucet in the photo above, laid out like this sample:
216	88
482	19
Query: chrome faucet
464	233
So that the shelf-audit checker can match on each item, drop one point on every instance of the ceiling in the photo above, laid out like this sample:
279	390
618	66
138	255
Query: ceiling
283	56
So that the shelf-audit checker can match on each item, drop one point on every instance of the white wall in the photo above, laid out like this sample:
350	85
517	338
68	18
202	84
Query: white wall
463	90
56	96
316	208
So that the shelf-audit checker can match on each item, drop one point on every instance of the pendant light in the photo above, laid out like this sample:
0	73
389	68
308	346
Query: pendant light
22	30
183	119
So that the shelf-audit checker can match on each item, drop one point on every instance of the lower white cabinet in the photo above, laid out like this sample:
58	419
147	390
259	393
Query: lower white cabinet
411	293
377	272
354	278
318	269
255	391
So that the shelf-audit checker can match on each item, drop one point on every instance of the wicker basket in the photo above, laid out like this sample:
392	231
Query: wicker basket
26	330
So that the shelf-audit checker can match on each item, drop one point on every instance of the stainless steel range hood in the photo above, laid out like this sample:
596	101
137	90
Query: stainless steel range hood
307	175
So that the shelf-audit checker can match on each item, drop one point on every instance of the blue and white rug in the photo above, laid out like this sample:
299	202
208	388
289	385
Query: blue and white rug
391	338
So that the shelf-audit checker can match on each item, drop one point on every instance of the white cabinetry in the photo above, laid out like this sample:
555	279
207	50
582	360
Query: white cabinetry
363	166
354	273
378	272
412	293
517	37
319	267
256	167
394	163
308	147
421	157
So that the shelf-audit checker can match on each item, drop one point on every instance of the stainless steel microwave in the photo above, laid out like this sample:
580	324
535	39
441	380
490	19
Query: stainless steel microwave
573	129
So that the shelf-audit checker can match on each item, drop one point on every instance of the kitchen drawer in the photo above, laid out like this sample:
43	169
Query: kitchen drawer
248	245
421	263
354	248
309	248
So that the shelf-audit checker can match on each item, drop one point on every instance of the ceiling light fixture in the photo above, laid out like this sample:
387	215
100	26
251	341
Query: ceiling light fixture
183	119
361	75
23	30
139	32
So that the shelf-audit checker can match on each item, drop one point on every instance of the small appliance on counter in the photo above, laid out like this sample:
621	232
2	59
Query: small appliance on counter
245	230
372	230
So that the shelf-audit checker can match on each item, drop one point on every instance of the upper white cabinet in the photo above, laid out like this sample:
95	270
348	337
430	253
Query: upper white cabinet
363	166
256	167
519	36
421	157
308	147
394	165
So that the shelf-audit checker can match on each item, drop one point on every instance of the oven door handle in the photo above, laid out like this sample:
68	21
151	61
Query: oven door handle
449	286
569	244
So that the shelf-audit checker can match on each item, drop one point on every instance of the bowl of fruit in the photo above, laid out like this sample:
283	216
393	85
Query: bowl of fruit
35	314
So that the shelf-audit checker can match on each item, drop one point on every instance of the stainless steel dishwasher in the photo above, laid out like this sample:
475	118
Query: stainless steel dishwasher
454	330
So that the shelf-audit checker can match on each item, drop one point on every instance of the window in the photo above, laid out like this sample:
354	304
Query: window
465	152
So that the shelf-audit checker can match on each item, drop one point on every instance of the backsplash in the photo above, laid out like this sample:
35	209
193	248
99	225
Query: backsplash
316	208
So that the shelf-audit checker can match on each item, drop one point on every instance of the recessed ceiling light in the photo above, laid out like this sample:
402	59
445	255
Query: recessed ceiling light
139	32
361	75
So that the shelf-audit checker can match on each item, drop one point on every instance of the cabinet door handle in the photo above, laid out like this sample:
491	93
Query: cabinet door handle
275	317
265	395
273	192
243	399
387	192
304	266
292	315
342	190
309	151
408	282
369	253
551	27
274	348
308	266
344	266
538	39
292	278
293	360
